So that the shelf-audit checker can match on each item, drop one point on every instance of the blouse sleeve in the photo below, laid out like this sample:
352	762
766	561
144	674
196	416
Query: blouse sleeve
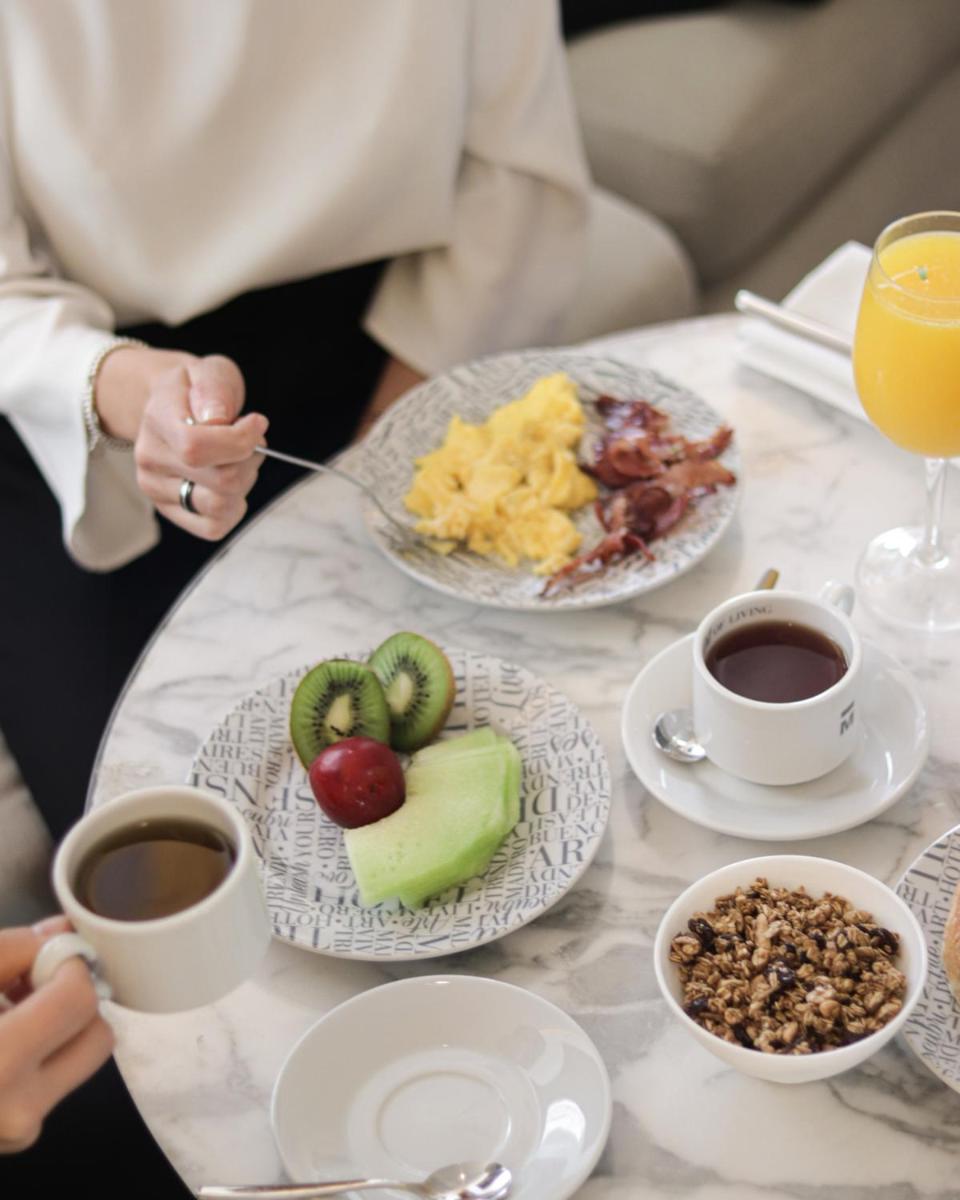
51	332
514	260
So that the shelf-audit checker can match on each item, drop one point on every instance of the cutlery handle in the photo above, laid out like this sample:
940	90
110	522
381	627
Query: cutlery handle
294	1191
326	470
814	331
267	452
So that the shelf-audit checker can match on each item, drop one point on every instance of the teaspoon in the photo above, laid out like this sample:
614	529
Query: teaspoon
674	735
460	1181
673	731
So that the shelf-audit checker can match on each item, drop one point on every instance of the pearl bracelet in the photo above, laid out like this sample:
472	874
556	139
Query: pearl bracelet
96	434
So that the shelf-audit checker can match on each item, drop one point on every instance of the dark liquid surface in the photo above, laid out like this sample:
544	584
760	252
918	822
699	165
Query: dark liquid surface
776	661
152	869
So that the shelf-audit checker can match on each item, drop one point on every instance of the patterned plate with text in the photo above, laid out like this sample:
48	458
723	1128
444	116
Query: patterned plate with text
309	884
933	1030
418	423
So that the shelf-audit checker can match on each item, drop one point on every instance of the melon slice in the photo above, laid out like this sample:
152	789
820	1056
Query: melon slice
479	742
511	801
514	783
452	816
422	771
476	739
486	847
511	814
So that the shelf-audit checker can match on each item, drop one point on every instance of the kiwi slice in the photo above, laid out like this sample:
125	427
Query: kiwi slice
335	700
418	682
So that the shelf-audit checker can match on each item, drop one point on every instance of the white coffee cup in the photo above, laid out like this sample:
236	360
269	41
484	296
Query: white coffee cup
779	743
181	961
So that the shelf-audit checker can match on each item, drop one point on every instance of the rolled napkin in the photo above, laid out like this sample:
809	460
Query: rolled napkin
830	294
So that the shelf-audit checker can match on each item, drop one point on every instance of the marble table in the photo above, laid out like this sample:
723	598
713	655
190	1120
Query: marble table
304	582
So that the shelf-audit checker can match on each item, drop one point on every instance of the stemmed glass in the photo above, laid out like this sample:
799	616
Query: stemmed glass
906	360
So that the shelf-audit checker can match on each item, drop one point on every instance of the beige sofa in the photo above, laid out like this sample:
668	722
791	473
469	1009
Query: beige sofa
750	140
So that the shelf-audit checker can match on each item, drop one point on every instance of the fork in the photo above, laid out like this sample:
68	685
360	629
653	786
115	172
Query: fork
406	537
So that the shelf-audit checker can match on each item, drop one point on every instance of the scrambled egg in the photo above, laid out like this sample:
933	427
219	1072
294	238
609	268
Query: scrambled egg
504	488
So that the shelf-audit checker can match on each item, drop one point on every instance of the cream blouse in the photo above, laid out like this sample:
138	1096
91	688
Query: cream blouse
160	156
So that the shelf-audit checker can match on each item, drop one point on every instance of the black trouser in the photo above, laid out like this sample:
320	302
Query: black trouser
68	638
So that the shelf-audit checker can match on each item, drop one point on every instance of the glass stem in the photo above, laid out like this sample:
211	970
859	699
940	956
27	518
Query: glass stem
931	552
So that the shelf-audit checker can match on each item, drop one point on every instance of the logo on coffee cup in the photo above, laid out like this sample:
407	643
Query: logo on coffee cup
846	718
747	613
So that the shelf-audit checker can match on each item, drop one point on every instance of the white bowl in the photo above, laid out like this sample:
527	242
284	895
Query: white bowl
817	875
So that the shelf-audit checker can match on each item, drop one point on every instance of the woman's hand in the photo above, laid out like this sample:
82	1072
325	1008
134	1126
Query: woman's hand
183	414
51	1040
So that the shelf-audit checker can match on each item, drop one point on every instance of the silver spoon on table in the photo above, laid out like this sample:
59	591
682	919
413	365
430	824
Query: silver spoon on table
673	732
460	1181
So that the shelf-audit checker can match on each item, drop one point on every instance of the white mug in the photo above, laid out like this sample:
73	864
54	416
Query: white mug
772	743
186	959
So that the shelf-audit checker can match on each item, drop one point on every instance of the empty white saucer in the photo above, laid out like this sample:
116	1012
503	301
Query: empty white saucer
894	740
411	1076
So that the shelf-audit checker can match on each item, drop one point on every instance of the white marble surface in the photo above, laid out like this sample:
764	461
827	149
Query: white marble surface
304	582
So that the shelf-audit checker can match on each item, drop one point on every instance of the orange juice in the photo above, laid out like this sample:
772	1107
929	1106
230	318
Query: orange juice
906	354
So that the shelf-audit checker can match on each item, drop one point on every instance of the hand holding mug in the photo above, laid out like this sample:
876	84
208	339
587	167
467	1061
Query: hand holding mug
165	934
51	1038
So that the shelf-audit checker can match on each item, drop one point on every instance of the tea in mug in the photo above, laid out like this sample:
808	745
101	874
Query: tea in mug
778	662
153	869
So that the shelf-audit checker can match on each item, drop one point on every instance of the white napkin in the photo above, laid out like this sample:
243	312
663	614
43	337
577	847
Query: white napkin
830	294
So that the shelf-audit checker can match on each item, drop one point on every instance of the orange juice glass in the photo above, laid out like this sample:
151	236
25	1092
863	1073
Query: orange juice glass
906	361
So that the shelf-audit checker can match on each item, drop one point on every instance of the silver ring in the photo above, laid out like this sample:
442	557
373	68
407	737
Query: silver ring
54	952
186	496
189	421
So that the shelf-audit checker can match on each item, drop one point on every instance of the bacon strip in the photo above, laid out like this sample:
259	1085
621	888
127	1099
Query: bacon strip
635	508
614	546
696	478
634	414
712	447
654	477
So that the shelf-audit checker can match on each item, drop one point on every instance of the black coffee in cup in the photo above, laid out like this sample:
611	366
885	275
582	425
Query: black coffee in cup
776	661
153	869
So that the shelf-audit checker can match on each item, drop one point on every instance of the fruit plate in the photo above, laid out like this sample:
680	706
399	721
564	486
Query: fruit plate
418	422
927	887
309	885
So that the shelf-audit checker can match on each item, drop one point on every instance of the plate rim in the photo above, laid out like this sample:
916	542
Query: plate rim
932	958
524	918
571	601
418	982
896	793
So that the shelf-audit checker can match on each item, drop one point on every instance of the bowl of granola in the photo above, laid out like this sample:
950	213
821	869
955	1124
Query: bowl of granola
790	968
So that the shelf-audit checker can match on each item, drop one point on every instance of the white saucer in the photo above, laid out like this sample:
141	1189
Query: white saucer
441	1069
893	747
